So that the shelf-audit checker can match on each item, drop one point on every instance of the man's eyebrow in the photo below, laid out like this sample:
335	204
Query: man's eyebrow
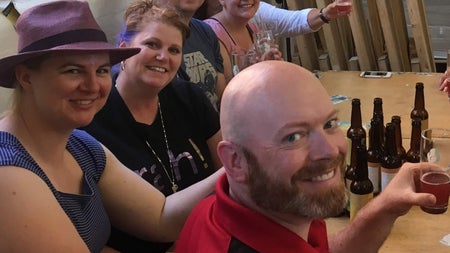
332	114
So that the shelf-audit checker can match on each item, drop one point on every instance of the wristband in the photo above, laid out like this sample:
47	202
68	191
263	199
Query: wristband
322	17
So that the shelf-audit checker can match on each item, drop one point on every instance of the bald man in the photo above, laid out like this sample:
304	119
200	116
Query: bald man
284	154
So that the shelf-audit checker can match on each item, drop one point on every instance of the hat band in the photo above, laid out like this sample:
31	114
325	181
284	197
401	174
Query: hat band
69	37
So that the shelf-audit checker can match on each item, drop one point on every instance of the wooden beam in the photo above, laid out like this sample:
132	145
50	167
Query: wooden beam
307	51
375	29
362	38
399	24
324	62
383	63
353	63
306	44
419	24
393	22
333	41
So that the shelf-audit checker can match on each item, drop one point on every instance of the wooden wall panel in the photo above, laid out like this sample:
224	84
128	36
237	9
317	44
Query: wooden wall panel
417	16
362	38
375	35
334	44
306	44
375	29
395	48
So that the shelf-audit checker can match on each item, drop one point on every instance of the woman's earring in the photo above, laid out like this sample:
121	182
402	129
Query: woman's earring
122	65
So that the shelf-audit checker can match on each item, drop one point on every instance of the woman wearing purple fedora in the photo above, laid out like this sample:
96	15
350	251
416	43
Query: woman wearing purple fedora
60	189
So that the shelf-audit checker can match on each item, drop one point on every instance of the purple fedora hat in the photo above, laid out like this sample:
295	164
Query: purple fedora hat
58	26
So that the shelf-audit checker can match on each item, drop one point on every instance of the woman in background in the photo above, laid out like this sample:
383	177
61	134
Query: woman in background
201	63
236	32
284	23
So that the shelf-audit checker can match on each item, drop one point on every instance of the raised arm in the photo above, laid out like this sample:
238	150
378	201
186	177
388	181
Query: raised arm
288	23
284	23
371	226
138	208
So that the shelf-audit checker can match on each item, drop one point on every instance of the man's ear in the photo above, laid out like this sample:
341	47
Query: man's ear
233	160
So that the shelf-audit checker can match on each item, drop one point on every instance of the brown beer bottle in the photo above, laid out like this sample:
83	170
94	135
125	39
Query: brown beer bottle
419	110
413	154
378	113
396	120
391	162
361	188
349	174
375	153
356	130
355	135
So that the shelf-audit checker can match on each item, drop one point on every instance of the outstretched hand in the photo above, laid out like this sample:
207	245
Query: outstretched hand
331	11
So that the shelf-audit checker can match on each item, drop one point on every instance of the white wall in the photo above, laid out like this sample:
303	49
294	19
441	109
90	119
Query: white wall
107	12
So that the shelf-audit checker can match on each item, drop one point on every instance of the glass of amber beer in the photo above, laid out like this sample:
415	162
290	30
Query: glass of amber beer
343	6
435	148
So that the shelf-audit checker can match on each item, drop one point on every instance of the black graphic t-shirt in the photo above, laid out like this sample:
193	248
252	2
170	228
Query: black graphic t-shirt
189	120
202	59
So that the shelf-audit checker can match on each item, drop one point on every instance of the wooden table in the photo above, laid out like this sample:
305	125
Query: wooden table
417	231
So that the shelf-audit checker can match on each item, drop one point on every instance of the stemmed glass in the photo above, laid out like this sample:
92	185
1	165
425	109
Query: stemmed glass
264	41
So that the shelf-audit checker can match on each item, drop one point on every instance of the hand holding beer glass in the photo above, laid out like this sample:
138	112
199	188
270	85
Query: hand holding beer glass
264	41
266	46
435	148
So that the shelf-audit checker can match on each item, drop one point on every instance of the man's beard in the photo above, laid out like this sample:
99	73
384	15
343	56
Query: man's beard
272	194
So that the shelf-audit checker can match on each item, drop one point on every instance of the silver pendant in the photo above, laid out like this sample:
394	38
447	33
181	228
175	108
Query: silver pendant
174	187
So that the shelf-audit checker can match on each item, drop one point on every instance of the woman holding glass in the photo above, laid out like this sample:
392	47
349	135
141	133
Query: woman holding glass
237	34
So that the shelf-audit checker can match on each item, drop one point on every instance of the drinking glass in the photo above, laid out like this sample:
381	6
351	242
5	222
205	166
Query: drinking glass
241	59
264	41
435	148
344	5
237	62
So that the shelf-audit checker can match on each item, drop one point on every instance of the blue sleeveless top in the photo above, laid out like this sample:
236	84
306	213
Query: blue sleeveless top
86	210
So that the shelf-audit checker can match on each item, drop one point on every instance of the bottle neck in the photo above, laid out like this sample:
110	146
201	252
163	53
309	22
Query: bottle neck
398	133
378	111
361	171
390	142
415	136
356	121
375	135
419	101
